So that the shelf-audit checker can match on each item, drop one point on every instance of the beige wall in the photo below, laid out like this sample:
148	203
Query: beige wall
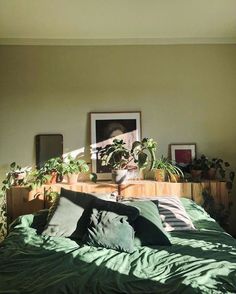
187	93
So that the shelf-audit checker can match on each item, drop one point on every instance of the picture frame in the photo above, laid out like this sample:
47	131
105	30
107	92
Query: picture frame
105	127
183	153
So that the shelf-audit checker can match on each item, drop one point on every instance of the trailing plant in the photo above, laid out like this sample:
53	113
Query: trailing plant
15	177
42	175
169	169
218	211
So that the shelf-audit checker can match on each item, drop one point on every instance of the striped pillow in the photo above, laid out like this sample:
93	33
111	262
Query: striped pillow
173	214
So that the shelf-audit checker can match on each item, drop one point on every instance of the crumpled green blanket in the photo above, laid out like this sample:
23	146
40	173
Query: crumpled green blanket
200	261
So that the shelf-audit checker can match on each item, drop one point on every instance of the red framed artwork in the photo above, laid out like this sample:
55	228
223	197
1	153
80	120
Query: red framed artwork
183	154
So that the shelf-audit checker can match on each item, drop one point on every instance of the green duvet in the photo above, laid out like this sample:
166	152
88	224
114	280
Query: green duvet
200	261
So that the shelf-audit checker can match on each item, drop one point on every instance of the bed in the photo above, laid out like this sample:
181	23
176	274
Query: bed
199	261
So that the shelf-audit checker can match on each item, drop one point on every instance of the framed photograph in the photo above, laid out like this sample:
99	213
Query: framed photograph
105	127
183	154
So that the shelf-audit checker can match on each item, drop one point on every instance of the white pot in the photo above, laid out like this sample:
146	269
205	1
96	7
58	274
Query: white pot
119	175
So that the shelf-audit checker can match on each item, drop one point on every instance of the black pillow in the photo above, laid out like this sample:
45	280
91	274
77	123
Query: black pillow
148	226
110	230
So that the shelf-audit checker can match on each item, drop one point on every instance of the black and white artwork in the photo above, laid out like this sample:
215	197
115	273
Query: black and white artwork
105	127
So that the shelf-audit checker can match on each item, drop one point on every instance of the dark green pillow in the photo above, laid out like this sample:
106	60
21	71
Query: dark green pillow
119	208
148	226
110	230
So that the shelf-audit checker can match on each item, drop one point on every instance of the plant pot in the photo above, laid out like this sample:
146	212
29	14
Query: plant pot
211	173
119	175
72	179
196	174
174	178
19	177
160	175
52	178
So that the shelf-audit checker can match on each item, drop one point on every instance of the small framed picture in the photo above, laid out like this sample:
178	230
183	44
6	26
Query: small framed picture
183	154
105	127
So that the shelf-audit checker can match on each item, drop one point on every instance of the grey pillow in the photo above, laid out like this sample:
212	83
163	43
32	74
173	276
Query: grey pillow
71	215
110	230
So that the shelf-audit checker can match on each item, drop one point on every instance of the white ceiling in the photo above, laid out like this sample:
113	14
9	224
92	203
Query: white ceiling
117	21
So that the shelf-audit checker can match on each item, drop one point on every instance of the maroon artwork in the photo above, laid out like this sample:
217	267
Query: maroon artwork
183	156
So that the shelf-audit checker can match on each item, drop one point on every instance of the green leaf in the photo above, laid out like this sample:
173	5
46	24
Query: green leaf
93	177
142	160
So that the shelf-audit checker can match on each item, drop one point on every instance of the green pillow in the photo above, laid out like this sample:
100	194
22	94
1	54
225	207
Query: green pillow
119	208
148	226
110	230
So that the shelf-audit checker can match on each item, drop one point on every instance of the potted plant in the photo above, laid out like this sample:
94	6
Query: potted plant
117	157
72	167
165	170
17	176
198	167
49	172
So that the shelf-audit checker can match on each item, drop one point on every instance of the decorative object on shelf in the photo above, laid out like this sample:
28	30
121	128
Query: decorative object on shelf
182	154
17	176
118	157
211	169
72	167
48	146
166	171
198	167
107	126
50	172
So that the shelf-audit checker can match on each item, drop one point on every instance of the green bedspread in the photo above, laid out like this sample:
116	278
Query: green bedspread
201	261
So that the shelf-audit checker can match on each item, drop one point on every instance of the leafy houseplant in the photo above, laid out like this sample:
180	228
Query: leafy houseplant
144	153
118	157
212	169
198	167
72	167
49	172
165	170
15	177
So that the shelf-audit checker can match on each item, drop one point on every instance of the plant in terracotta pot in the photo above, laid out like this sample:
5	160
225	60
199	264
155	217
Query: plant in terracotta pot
165	170
49	172
117	157
198	167
72	167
